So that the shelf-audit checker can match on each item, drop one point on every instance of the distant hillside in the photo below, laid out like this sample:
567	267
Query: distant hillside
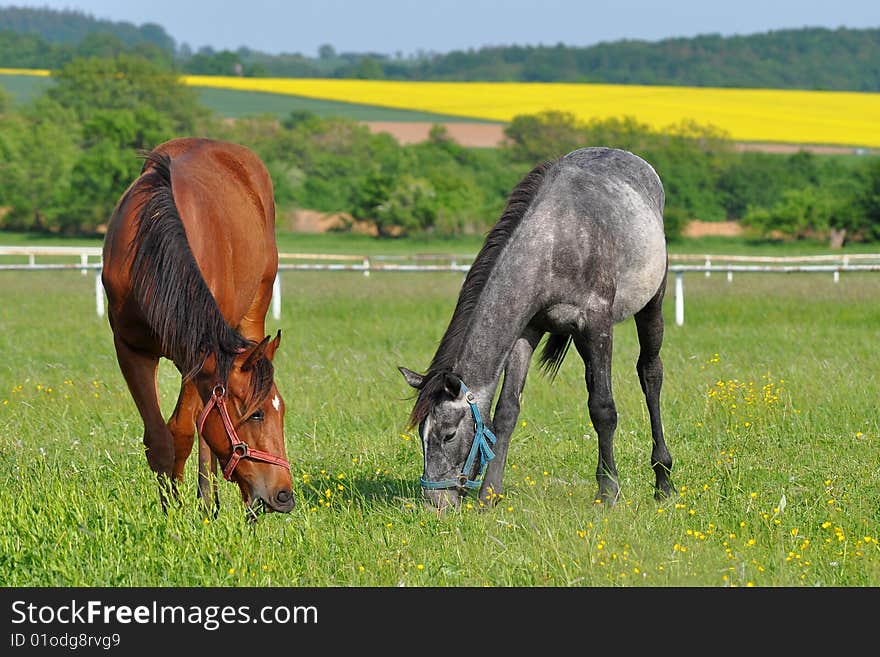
71	26
807	58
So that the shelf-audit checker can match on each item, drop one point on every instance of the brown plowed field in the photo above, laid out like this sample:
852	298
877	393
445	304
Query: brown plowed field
488	135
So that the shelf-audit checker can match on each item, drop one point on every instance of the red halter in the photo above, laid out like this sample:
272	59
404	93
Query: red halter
240	449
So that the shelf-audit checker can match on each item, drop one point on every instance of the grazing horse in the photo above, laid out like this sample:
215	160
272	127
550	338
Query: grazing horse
189	262
579	248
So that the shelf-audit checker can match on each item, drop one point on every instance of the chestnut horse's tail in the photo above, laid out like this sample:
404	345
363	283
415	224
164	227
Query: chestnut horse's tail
168	284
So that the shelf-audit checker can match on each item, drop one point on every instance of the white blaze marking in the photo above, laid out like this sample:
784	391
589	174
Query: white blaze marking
425	433
276	403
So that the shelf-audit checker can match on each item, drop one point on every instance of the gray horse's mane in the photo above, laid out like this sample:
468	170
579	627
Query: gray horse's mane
450	345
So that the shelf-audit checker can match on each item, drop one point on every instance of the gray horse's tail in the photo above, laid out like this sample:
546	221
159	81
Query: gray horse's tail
553	353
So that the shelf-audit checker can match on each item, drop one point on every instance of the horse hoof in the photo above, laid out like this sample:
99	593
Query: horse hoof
608	498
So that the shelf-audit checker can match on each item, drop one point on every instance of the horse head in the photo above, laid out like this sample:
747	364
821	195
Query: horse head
243	424
455	441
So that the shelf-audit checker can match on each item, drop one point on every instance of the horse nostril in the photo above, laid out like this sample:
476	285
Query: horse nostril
283	496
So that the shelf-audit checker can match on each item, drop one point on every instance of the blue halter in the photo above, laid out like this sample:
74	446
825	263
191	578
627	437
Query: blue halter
481	448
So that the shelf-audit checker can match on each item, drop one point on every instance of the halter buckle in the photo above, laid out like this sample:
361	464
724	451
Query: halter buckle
241	449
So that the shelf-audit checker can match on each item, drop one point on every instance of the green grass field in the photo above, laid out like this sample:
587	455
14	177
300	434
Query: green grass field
770	410
231	103
24	88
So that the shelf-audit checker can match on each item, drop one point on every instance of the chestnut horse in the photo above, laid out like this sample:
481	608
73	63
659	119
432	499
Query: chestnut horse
188	266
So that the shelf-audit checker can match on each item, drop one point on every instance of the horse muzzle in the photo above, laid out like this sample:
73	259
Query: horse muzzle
442	498
281	502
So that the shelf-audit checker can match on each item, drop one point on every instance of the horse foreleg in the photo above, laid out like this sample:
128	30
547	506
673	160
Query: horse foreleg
649	324
595	346
182	425
507	412
139	369
208	479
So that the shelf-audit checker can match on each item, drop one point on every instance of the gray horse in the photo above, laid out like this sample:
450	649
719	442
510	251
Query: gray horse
579	247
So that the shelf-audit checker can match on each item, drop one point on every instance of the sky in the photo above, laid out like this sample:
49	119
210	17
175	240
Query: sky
410	27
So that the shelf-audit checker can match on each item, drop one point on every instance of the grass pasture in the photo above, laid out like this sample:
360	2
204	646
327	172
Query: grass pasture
770	409
25	86
234	103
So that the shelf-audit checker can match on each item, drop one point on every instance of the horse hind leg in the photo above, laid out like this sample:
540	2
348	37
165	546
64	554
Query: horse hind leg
649	324
595	346
139	369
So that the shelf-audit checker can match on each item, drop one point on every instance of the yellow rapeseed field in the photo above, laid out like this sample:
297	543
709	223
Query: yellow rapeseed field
759	115
805	117
39	72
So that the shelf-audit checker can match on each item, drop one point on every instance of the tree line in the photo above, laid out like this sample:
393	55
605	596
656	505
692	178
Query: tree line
806	58
67	156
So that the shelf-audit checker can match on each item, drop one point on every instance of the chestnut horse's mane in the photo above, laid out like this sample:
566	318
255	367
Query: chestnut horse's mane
169	287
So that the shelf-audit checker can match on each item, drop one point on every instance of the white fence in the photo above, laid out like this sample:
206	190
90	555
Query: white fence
726	264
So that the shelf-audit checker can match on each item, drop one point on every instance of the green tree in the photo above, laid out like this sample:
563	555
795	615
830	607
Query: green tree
224	62
619	132
410	206
462	201
543	136
866	200
126	82
296	117
675	219
799	213
71	154
369	68
689	158
107	163
100	44
38	149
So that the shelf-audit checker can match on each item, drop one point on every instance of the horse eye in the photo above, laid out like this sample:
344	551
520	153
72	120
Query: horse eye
448	437
257	416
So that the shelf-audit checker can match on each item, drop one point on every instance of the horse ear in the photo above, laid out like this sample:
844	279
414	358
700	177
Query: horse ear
413	378
256	354
273	346
452	384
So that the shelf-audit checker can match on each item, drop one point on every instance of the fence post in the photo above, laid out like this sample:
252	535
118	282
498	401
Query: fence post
366	266
99	294
708	264
837	272
679	298
276	296
83	260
